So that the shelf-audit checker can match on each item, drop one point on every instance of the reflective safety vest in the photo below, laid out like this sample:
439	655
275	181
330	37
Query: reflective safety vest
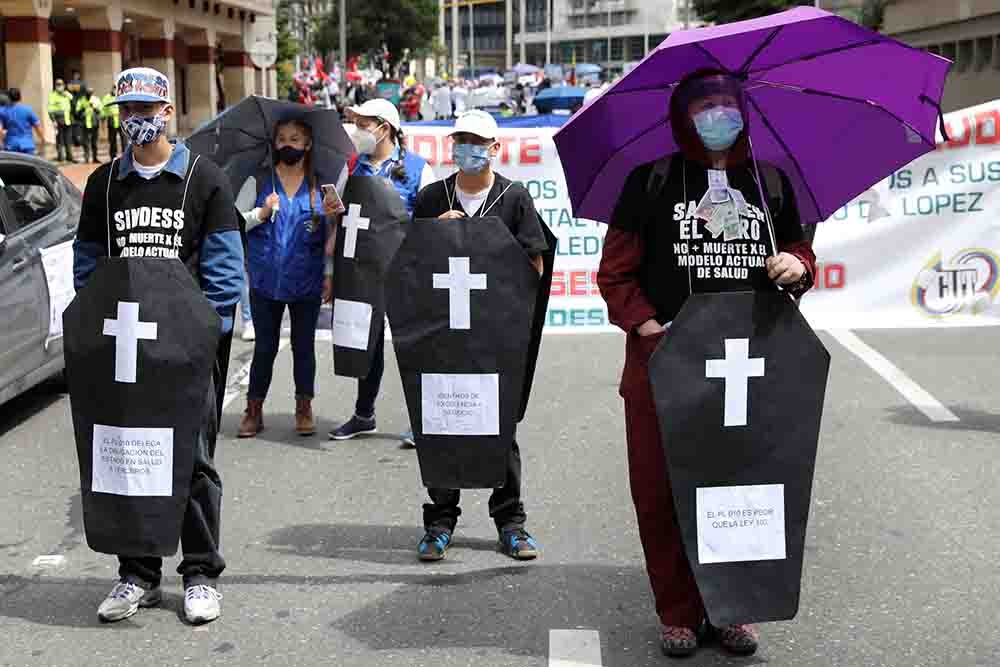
110	111
88	109
61	107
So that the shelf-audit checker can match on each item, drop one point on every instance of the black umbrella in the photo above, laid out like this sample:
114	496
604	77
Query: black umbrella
239	139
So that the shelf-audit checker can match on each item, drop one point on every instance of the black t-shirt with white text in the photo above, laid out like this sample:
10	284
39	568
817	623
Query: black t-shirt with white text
684	254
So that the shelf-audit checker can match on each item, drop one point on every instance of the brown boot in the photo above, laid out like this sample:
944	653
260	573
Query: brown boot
253	419
304	424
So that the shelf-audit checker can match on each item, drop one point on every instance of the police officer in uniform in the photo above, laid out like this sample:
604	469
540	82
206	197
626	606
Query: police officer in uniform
110	114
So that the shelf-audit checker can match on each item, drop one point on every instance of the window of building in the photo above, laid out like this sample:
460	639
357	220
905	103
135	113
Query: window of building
949	50
617	48
966	55
636	48
598	50
984	53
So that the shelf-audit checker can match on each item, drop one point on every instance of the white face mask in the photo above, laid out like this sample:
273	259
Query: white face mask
364	141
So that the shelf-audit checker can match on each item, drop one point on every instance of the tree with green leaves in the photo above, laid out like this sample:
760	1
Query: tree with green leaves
381	29
869	13
288	50
727	11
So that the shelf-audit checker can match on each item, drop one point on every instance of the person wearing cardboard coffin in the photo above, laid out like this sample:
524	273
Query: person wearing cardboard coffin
475	191
286	234
645	287
154	185
381	151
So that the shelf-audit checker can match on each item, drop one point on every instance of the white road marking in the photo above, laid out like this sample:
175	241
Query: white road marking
49	562
899	380
242	378
574	648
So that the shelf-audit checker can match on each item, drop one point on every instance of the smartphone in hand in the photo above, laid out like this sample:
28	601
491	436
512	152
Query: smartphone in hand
332	203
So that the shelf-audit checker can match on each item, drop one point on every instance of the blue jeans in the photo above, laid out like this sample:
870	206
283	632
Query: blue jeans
267	316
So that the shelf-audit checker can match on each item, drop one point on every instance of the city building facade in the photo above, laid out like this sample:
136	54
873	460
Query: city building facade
202	45
494	34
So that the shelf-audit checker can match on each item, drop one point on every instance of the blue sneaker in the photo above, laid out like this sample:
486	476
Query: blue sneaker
408	441
434	545
354	427
518	544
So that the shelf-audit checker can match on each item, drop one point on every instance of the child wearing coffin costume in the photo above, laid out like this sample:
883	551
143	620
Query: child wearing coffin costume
644	286
153	171
476	190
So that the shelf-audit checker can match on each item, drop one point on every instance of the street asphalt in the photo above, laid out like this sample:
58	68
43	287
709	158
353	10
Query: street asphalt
320	537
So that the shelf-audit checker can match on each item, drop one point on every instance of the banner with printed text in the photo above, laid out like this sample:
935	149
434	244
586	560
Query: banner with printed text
920	249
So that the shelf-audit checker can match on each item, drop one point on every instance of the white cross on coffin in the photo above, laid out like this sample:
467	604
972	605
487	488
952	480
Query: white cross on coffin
352	223
459	282
128	331
736	369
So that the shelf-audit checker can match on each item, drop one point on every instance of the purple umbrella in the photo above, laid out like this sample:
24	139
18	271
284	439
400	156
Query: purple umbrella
834	105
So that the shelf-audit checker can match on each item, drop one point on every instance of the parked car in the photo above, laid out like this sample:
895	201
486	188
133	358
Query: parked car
39	208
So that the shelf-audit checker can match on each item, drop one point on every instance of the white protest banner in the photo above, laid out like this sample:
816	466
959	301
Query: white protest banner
57	263
922	247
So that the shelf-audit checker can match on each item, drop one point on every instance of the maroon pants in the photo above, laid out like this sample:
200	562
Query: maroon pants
678	601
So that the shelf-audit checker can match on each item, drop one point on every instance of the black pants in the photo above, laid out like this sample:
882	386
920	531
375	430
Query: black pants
64	142
506	508
90	143
368	386
112	139
202	563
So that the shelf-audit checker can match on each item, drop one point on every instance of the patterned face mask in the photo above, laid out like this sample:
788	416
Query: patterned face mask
144	130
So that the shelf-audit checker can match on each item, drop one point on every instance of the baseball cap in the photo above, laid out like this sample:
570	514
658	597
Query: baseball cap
476	122
141	84
379	108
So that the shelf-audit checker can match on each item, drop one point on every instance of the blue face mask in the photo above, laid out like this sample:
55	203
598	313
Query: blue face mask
719	127
470	158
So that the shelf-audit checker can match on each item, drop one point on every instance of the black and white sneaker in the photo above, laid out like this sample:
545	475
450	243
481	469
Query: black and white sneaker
125	599
354	427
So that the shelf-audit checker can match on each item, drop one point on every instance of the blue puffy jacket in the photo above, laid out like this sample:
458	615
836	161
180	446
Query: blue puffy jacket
286	254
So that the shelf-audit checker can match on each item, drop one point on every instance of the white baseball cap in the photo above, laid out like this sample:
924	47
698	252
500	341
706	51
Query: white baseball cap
476	122
141	84
379	108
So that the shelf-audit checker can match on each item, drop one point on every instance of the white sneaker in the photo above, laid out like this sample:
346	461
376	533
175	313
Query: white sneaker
248	333
201	604
125	599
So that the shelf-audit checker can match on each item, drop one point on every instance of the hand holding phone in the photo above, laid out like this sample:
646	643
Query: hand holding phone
332	203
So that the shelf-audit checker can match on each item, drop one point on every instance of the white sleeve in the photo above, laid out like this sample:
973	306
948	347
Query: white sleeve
342	180
427	176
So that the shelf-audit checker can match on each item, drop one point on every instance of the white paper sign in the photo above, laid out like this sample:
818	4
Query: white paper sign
460	404
352	321
57	263
740	523
133	461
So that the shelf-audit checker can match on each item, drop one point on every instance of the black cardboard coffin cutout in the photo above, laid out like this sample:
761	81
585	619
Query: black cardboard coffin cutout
367	239
140	347
739	382
541	313
461	297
